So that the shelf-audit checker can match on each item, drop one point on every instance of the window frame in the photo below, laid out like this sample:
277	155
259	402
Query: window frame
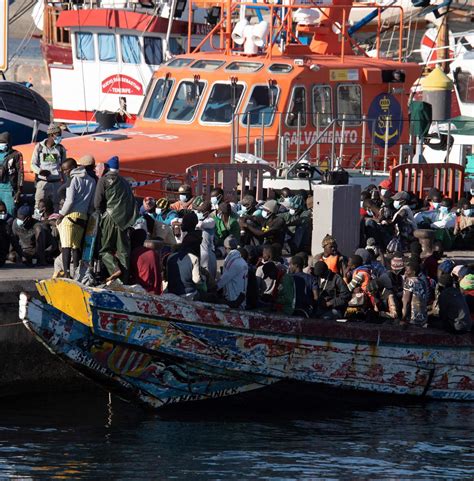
244	125
291	101
76	44
349	123
148	97
198	106
208	95
143	50
313	109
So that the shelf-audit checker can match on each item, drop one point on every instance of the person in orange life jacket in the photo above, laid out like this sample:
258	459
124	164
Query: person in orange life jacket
11	173
46	162
185	199
333	295
282	296
331	256
358	276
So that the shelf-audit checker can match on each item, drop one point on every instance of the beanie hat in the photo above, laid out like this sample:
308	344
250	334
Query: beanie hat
53	129
86	160
396	264
271	206
163	203
24	211
113	163
446	266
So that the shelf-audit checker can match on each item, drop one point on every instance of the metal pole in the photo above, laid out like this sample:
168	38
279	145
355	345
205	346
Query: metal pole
318	147
232	140
362	154
333	146
448	147
262	148
372	150
341	145
247	141
400	155
237	133
279	153
298	133
385	150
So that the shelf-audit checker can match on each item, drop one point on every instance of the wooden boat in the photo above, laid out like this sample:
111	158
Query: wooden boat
162	350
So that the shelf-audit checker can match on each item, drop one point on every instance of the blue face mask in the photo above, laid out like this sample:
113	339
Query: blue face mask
57	140
396	204
443	209
435	204
265	214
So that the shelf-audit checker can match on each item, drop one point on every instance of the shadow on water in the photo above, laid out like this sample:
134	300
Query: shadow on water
87	436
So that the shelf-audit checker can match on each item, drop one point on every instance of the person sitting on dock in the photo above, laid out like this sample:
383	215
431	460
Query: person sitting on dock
415	297
333	295
185	199
115	201
46	161
234	278
74	213
11	173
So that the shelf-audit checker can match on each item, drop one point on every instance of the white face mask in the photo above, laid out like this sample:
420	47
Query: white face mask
472	191
20	222
292	211
467	212
158	211
265	214
443	209
435	204
396	204
3	216
3	147
183	197
383	192
214	200
200	215
243	210
286	202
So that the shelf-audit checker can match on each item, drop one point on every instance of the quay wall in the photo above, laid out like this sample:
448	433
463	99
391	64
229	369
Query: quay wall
27	367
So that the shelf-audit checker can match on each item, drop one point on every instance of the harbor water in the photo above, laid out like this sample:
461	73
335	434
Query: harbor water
92	436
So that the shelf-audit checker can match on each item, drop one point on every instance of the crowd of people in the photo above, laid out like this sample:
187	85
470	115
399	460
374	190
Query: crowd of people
245	252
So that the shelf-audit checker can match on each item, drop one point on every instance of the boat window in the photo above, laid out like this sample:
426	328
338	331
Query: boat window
153	50
107	47
130	49
175	46
222	103
179	62
244	66
297	108
157	100
186	101
322	105
465	86
280	68
85	46
349	103
261	106
207	64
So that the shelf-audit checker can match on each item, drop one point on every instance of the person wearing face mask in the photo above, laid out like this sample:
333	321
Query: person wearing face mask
185	198
88	162
298	221
385	187
6	221
115	202
206	224
403	222
217	196
11	173
285	199
438	218
46	161
227	223
74	213
464	225
164	213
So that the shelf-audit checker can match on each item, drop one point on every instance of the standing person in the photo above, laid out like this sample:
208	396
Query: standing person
207	225
46	162
227	223
115	201
6	221
11	173
74	213
415	297
234	277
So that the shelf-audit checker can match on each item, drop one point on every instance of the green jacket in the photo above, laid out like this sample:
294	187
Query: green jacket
232	227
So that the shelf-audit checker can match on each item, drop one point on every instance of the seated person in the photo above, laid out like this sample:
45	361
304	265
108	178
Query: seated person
415	297
332	293
359	273
298	222
268	229
306	291
227	223
217	196
331	256
464	226
30	239
385	304
437	218
282	297
164	213
453	309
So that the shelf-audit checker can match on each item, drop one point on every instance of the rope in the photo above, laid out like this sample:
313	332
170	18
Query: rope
11	324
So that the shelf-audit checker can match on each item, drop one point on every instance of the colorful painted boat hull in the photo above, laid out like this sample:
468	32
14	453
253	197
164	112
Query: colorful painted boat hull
247	345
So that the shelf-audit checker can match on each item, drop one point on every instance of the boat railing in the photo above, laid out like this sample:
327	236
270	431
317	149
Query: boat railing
159	184
330	142
282	27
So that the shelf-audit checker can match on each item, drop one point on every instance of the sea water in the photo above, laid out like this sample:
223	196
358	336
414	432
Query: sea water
94	436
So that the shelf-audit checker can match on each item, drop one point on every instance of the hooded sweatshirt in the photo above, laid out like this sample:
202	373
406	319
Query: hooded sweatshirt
234	277
79	193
